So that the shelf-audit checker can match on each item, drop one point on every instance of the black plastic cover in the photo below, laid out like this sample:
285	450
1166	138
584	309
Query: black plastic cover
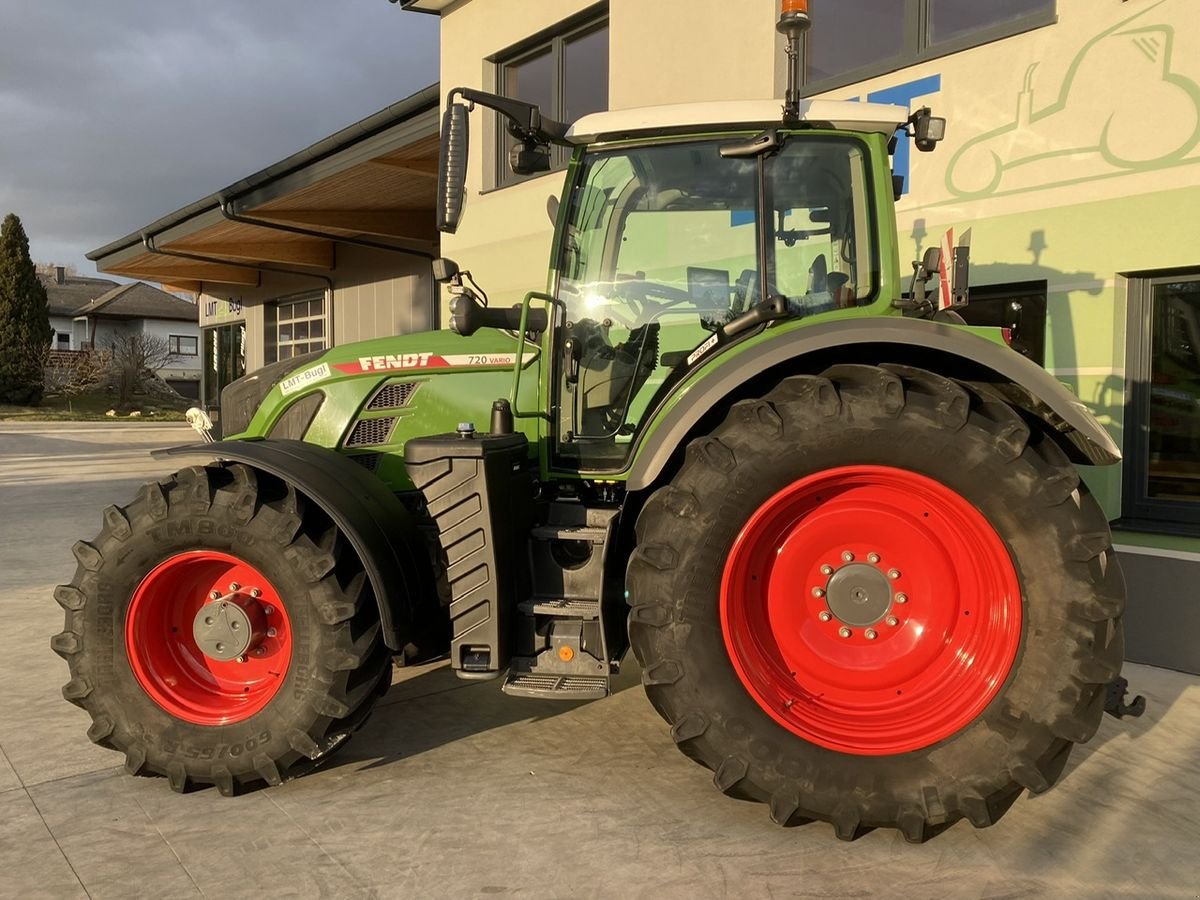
478	489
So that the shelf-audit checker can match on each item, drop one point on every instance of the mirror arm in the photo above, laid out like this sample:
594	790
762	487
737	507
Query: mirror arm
527	121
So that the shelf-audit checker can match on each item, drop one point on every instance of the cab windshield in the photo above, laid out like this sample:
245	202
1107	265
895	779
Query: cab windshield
666	244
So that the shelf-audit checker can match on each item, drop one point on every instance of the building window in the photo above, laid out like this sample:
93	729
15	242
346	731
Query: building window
62	340
183	345
296	325
859	39
991	306
1162	425
565	72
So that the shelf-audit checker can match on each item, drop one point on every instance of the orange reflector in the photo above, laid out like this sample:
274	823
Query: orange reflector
566	654
795	6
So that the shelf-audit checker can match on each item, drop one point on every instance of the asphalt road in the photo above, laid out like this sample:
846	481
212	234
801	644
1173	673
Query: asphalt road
454	790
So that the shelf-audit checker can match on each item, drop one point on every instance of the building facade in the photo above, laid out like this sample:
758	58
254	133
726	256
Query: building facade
1069	166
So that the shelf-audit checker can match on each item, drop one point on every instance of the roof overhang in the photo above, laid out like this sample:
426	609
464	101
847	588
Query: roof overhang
426	6
374	180
846	115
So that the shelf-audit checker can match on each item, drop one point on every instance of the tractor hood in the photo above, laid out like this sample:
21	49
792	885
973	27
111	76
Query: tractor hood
332	397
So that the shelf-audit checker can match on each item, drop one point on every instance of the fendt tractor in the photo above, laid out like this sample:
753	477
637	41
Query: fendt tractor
842	531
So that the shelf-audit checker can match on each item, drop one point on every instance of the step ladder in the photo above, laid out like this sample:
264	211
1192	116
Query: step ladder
561	650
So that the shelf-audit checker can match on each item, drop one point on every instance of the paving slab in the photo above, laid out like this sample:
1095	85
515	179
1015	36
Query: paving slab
8	775
31	864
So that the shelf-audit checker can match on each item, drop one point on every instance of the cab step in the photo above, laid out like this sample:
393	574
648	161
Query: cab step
571	608
556	687
591	534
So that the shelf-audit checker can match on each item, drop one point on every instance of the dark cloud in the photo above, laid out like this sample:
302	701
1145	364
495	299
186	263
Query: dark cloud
115	113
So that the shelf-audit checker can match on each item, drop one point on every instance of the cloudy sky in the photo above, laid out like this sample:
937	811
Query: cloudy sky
115	113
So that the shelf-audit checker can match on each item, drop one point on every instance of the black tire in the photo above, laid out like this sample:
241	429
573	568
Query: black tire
964	437
339	663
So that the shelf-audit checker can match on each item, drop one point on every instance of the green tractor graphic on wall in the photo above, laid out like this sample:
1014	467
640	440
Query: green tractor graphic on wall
842	532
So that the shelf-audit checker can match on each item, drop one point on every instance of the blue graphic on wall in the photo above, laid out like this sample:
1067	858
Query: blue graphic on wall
904	95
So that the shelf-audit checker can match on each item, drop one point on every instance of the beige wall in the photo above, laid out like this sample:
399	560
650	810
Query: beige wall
666	51
375	294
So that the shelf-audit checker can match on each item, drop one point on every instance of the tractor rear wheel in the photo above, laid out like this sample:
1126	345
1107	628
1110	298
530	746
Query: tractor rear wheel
219	630
879	599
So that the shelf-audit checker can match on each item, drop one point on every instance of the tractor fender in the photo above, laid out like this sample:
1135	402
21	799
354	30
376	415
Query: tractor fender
374	521
916	342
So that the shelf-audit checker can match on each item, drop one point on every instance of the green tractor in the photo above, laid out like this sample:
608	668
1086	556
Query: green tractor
842	531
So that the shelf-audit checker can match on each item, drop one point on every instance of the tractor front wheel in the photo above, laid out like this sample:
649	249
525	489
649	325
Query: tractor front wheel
219	630
879	599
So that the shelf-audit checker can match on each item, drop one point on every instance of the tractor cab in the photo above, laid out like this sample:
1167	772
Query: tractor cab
685	230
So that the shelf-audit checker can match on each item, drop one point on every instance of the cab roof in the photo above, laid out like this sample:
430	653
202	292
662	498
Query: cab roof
845	115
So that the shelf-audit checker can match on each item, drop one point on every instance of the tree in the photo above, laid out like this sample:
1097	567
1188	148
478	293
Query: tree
24	319
136	356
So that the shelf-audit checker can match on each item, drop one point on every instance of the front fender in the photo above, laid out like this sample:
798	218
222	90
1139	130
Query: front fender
877	340
376	524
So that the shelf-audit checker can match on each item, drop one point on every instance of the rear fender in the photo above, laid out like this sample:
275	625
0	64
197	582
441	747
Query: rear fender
946	349
376	524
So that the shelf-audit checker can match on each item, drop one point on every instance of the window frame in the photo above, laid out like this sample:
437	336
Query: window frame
175	344
271	331
1139	511
918	45
554	40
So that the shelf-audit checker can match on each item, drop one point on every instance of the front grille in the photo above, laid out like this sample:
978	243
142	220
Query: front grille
370	432
393	396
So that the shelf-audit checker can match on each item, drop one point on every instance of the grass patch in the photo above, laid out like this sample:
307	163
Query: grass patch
87	408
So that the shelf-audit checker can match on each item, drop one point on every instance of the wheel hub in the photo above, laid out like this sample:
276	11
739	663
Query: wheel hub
858	595
229	627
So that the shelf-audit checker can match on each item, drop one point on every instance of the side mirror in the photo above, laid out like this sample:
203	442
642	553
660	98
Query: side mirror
444	270
452	167
932	260
529	159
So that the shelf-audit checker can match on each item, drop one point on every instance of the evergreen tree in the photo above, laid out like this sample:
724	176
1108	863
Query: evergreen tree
24	319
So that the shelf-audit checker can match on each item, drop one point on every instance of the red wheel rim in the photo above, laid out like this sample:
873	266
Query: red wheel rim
169	663
870	610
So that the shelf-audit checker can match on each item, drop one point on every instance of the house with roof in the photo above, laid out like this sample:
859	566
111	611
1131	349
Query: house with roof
65	294
140	308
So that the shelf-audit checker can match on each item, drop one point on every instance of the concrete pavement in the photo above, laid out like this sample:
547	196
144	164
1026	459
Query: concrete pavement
454	790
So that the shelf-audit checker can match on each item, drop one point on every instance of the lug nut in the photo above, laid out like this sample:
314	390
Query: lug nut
826	570
255	593
208	620
220	647
234	586
845	632
893	574
847	556
241	659
902	598
825	615
818	592
214	595
268	610
271	632
871	635
873	558
259	651
892	621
